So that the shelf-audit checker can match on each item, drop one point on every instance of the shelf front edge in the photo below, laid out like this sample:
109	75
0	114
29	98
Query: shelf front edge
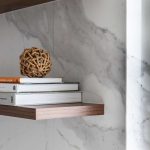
70	110
16	111
52	111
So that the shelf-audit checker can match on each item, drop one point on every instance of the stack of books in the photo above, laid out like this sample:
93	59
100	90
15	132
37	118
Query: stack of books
17	91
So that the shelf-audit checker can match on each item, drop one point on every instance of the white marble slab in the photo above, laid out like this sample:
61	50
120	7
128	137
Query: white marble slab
138	75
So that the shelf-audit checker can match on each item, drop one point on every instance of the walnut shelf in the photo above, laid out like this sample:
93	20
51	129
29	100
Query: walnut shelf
52	111
9	5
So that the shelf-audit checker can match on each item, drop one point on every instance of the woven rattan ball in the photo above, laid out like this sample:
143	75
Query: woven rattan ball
35	62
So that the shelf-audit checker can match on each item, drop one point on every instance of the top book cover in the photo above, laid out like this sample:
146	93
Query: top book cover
29	80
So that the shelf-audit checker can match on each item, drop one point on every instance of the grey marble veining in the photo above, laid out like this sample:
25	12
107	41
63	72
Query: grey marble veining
81	51
96	58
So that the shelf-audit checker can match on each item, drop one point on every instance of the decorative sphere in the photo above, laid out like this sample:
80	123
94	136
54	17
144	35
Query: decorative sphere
35	62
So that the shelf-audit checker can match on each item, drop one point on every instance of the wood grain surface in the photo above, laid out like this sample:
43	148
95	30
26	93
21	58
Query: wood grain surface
43	112
9	5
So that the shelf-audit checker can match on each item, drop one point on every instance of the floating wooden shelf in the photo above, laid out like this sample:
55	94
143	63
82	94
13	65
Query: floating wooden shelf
9	5
52	111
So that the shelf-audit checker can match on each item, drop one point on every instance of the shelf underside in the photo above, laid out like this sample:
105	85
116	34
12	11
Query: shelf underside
9	5
52	111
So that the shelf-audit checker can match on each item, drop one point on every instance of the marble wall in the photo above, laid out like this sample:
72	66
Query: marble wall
145	75
83	50
134	114
138	75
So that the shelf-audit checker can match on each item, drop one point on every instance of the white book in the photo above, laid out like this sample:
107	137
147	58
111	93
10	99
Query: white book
29	80
6	87
40	80
20	99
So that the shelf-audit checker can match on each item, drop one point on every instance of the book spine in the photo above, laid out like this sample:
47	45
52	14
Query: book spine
8	87
38	99
5	87
7	100
9	80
